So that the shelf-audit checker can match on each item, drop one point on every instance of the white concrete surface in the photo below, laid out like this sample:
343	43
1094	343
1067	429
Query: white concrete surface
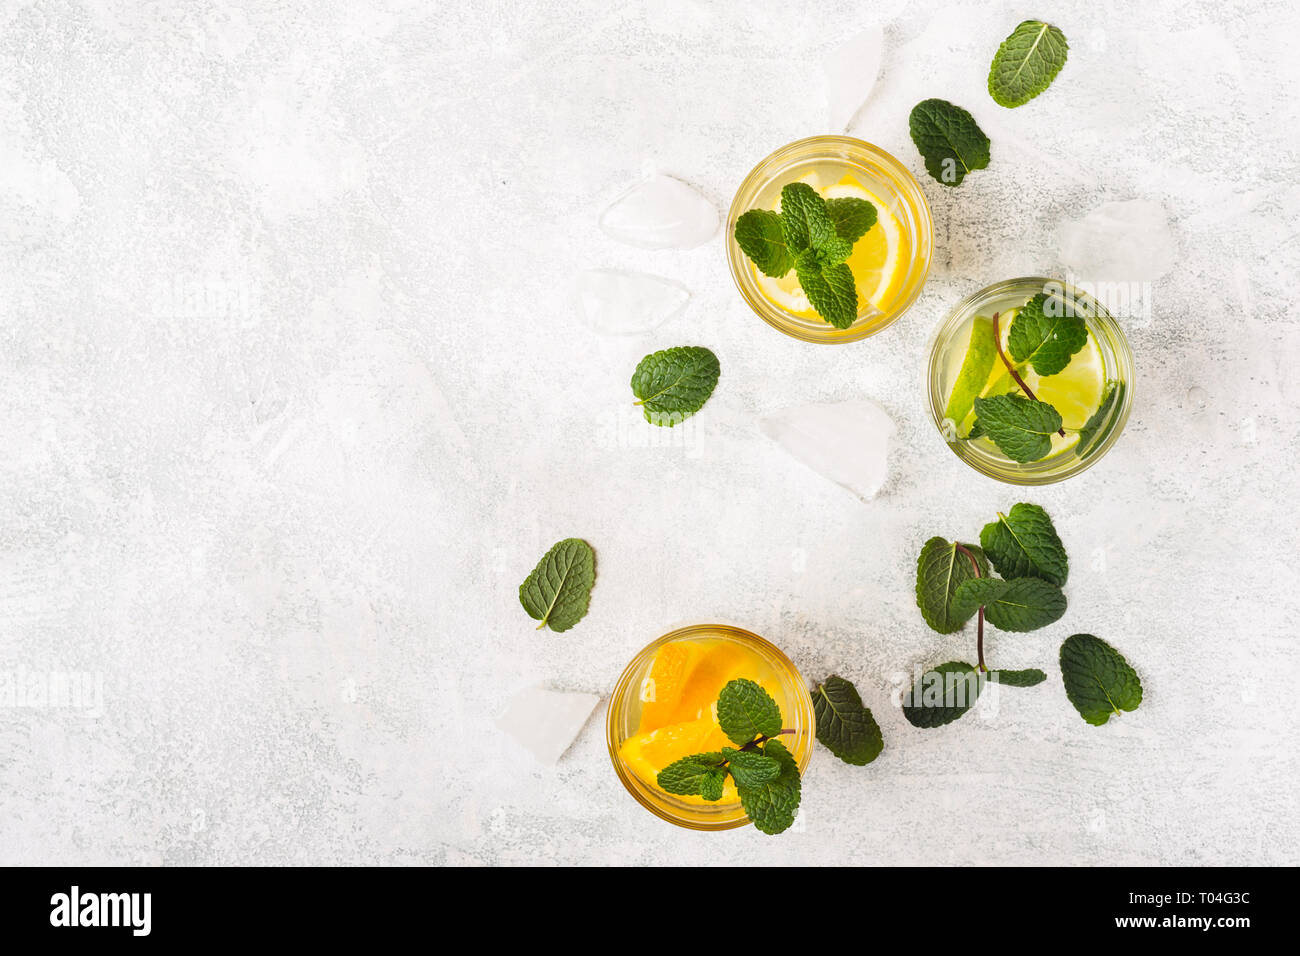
293	396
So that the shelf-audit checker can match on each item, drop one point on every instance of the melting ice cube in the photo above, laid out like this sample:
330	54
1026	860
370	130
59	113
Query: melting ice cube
851	71
546	722
847	442
614	302
1119	242
661	213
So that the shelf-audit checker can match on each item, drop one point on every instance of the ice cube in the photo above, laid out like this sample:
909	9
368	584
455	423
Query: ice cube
545	722
1119	242
851	71
661	213
614	302
846	442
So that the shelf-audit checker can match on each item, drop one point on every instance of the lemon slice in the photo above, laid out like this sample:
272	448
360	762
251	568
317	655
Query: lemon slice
877	257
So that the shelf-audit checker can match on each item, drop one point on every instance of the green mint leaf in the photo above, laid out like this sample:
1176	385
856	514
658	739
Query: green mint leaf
942	694
558	590
746	711
1098	681
853	218
1026	678
804	218
772	805
1023	604
844	726
949	140
834	252
761	237
976	430
750	768
711	784
981	353
685	777
1026	63
1047	342
830	289
1024	544
1021	427
940	570
1109	399
674	384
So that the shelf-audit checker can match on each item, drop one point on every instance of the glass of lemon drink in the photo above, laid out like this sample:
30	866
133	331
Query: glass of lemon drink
1045	365
664	708
887	253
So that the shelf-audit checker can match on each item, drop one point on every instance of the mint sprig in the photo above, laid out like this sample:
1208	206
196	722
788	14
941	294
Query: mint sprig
948	691
941	568
1045	340
1021	427
1026	63
1021	604
673	384
764	771
845	726
954	583
948	139
746	711
1098	680
558	590
814	237
1024	543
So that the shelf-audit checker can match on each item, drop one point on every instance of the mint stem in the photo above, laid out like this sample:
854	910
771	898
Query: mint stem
755	744
997	340
979	638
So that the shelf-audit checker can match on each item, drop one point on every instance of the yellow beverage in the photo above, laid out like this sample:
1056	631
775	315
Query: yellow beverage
889	262
664	708
679	705
1092	393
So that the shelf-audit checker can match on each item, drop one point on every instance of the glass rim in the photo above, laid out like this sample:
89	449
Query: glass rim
1110	336
909	192
803	719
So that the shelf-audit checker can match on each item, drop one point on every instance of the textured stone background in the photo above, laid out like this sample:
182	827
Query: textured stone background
293	396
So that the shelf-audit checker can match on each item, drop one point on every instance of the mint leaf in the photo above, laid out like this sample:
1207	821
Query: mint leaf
1098	681
1026	678
761	237
844	726
942	694
674	384
711	784
981	353
1024	604
750	768
830	289
949	140
746	711
1047	342
835	251
1021	427
853	218
1024	544
940	570
772	805
1110	398
1026	63
558	590
804	218
686	776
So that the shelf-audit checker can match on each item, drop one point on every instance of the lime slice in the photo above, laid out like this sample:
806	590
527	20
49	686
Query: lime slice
1076	390
981	353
